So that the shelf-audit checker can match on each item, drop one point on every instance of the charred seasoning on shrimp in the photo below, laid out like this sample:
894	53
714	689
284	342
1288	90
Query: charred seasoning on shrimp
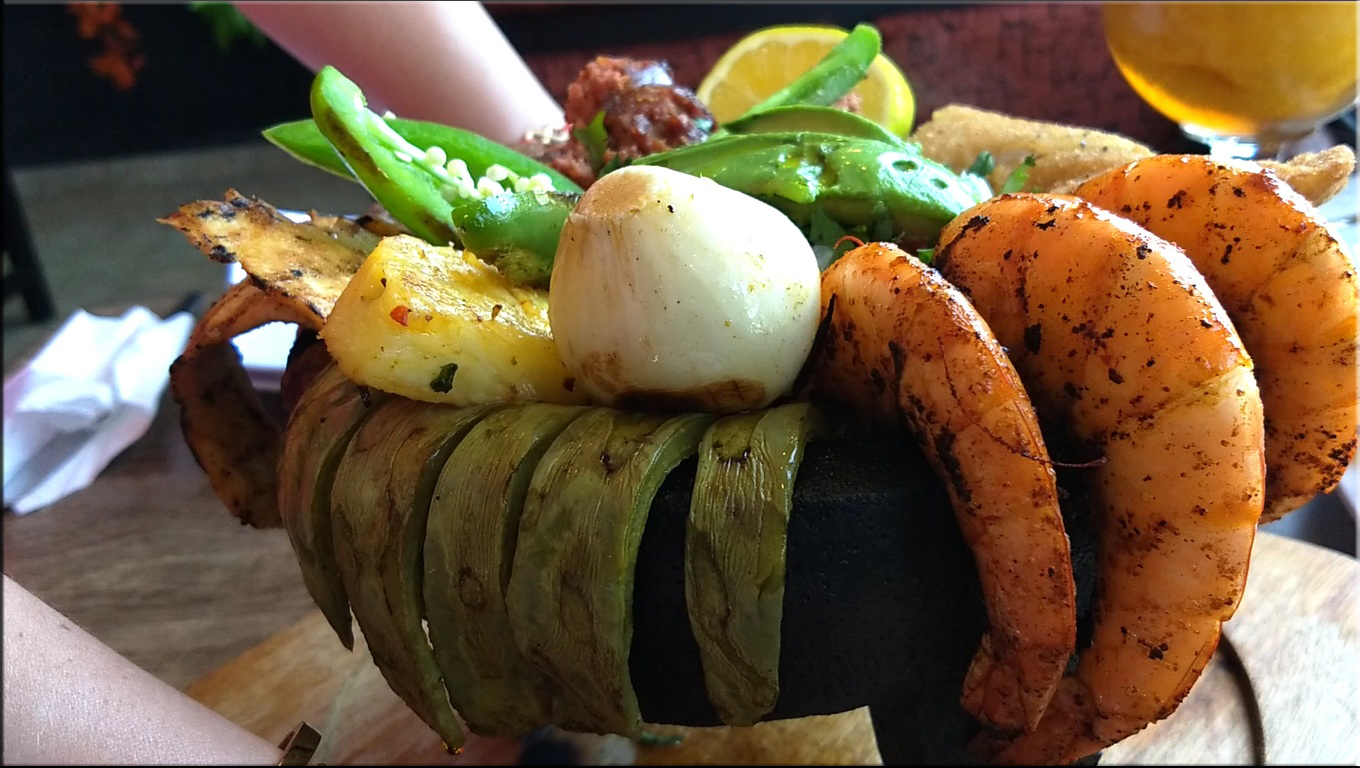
1117	335
1290	287
908	349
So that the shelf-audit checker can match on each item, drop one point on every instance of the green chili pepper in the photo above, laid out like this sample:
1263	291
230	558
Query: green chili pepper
517	232
1019	177
370	147
425	190
830	79
304	141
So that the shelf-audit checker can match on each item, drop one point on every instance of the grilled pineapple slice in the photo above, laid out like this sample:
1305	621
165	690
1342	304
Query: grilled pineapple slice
437	324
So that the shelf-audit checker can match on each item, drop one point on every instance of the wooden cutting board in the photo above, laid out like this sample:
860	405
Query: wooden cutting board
1282	689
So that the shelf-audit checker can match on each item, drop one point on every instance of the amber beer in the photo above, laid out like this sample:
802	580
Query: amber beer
1247	70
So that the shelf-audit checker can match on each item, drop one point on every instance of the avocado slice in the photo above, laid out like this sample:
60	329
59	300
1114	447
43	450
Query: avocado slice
735	541
379	507
469	547
807	118
319	428
570	595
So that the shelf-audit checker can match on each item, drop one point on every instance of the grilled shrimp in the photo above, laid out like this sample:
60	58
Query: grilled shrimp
1117	336
1290	288
906	348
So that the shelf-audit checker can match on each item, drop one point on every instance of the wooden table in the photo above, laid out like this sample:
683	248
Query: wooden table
1282	690
149	561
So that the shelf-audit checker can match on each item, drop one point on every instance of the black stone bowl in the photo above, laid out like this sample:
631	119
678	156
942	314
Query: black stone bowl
882	605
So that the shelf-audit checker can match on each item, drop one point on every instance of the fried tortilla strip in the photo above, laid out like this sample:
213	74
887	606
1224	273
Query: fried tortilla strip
228	429
306	264
297	271
1318	176
956	134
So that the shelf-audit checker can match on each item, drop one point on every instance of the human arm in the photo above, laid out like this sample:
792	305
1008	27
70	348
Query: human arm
446	62
71	700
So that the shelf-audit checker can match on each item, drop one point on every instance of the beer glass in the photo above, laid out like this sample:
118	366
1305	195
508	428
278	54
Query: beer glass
1246	79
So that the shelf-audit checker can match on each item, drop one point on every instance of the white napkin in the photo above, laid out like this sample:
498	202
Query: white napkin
89	393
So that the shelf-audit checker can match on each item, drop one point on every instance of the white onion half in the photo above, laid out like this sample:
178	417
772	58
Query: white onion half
671	290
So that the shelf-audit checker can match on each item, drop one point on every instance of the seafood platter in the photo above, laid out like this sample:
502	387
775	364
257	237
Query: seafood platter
670	419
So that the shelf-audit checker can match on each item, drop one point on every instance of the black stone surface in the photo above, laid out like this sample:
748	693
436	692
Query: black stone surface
882	604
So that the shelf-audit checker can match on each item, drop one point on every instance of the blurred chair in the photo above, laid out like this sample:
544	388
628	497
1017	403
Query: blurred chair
23	272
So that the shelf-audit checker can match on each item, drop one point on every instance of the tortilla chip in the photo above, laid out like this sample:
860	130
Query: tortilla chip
1318	176
231	434
956	134
306	264
297	271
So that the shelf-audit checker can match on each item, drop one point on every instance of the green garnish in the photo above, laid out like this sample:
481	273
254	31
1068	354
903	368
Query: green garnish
983	165
443	381
594	138
1016	181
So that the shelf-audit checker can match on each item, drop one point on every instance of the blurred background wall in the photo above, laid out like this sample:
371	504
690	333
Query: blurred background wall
194	81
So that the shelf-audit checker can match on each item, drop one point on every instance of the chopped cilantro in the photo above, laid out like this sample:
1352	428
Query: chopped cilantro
825	232
974	178
983	165
822	229
1016	181
882	226
443	381
595	140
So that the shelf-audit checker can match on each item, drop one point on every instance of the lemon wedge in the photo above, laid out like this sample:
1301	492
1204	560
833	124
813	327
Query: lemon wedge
768	59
